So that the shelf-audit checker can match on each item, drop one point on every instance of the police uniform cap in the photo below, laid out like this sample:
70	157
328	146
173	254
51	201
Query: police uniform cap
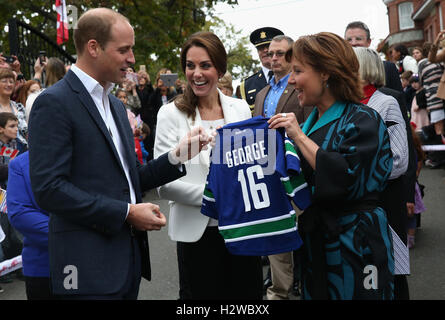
264	35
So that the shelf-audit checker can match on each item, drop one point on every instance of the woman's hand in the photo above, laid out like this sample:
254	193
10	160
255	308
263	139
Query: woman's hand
16	64
289	122
38	69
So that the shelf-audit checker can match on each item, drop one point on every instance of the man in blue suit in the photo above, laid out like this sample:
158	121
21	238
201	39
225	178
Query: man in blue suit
85	172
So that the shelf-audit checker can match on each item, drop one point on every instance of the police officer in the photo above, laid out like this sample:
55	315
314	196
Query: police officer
250	86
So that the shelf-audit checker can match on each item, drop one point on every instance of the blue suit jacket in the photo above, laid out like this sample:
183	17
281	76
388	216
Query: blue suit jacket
77	176
26	216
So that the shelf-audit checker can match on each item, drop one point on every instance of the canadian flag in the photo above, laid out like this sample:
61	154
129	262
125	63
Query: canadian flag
62	22
8	152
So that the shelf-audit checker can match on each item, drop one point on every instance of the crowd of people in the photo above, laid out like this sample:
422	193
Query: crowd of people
86	141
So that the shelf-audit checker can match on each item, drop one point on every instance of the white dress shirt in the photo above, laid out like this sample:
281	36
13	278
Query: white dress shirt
266	73
99	95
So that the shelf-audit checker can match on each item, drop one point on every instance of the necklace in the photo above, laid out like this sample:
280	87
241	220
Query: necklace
213	124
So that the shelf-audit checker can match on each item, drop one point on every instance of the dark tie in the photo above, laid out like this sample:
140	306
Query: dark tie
269	75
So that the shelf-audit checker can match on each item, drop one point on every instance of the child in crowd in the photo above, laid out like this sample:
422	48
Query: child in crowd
145	132
129	86
414	215
138	142
408	90
8	140
135	124
122	96
419	114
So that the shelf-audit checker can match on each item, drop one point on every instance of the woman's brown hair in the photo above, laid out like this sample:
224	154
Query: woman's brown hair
55	70
23	93
6	73
187	101
330	54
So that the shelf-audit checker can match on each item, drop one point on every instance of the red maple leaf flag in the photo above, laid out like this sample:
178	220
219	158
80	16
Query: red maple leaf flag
62	22
8	152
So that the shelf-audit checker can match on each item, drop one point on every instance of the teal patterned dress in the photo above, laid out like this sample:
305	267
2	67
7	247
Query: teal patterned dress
347	251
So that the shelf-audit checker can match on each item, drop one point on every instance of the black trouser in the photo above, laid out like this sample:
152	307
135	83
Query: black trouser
207	271
401	290
130	290
395	207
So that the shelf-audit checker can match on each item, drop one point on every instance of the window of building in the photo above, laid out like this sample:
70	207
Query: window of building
405	12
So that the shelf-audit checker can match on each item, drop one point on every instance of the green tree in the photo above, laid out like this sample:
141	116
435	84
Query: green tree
161	26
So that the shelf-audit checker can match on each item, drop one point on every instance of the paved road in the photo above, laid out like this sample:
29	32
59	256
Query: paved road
427	258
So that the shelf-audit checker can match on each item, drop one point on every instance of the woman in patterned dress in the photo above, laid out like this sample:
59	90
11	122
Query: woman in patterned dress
346	159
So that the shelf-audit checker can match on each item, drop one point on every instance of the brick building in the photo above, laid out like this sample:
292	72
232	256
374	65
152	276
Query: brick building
413	22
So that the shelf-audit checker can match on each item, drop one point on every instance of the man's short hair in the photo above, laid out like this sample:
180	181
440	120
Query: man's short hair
282	37
95	24
5	117
359	25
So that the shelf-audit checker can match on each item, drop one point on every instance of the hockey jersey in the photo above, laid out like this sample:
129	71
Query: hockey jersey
254	174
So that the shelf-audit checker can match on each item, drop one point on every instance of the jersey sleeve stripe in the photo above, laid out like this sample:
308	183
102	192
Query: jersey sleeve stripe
287	223
260	235
263	221
289	146
293	184
208	195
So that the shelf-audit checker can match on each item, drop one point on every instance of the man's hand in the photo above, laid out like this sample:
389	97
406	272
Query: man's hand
214	133
146	216
192	144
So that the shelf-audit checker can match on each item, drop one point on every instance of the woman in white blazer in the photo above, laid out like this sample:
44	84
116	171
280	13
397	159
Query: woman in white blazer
206	269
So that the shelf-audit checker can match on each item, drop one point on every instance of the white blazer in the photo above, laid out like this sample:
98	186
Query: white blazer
185	221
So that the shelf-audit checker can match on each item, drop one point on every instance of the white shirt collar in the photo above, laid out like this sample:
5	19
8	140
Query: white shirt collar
89	82
266	73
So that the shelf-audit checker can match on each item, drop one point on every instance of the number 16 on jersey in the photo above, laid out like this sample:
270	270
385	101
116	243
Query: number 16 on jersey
257	191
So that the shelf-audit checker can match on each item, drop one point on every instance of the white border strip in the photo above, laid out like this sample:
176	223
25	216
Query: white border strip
436	147
252	223
260	235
